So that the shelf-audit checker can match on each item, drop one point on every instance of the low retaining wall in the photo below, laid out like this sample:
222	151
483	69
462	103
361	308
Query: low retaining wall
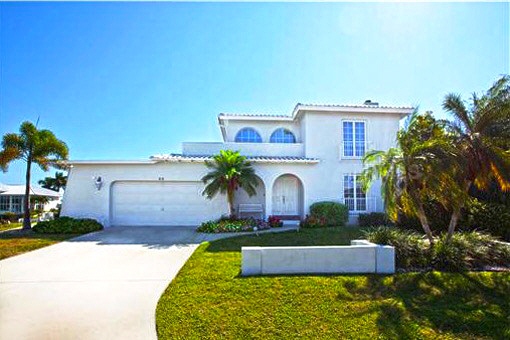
360	257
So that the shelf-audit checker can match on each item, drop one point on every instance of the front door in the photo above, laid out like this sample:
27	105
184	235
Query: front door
286	196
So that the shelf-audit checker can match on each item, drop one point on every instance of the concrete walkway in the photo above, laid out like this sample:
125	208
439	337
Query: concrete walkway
100	286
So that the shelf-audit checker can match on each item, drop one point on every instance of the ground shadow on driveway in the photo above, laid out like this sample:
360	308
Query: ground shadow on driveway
153	237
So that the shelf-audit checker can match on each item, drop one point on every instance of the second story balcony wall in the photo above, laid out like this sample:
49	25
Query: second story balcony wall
246	149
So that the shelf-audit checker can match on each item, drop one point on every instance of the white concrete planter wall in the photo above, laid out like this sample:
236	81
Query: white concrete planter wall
360	257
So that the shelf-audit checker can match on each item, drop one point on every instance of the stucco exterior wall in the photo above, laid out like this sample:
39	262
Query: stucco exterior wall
318	133
83	199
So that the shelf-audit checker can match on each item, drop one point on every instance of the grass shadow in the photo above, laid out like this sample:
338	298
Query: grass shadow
466	305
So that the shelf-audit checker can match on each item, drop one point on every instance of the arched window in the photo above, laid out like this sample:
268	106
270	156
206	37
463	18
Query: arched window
282	136
248	135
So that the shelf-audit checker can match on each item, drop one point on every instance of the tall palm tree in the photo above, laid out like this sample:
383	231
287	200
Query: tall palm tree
409	170
229	171
32	146
481	136
54	183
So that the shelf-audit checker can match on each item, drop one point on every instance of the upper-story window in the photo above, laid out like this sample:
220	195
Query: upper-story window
354	142
248	135
282	136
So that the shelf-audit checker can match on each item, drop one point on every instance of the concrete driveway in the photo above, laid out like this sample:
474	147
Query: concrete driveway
100	286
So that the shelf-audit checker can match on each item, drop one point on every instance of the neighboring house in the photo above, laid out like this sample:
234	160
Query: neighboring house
13	196
313	155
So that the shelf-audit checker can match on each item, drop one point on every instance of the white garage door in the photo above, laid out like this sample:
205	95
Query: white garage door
162	203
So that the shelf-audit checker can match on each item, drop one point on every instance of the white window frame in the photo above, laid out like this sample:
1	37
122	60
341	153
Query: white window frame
246	128
355	194
281	141
354	148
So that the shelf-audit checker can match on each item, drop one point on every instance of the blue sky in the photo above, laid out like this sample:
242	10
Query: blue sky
127	80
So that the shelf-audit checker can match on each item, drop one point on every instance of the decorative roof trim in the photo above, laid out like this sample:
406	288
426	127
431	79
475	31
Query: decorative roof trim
348	108
108	162
402	110
250	116
253	159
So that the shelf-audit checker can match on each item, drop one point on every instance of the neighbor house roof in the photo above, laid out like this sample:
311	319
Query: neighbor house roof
255	159
16	190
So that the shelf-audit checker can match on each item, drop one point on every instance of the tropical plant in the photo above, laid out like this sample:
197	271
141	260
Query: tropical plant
229	172
32	146
54	183
482	139
409	171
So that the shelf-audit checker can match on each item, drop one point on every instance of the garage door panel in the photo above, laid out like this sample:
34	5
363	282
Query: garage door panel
162	203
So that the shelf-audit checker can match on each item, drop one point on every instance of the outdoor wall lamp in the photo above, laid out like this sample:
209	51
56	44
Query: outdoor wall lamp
98	182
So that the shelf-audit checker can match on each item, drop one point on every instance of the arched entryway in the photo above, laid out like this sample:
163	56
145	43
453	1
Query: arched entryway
287	196
258	200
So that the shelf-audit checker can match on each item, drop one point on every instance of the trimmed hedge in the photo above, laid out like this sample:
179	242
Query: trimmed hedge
330	213
67	225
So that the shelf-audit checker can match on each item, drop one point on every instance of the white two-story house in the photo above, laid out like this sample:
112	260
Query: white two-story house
314	154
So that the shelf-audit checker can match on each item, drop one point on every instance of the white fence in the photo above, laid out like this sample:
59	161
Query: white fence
360	257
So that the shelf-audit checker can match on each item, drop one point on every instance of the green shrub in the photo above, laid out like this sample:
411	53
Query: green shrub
490	217
67	225
468	251
471	250
410	249
333	214
10	216
374	219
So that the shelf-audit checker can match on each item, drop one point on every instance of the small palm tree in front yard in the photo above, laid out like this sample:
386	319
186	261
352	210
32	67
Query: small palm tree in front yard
32	146
482	137
414	170
229	172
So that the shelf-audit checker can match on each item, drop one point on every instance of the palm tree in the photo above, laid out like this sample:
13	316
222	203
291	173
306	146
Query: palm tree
33	146
54	183
409	171
229	171
481	135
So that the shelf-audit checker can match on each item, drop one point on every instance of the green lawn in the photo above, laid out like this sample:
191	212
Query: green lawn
10	226
208	299
17	241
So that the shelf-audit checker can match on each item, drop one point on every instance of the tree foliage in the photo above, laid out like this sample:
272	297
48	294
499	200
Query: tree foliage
32	146
54	183
229	171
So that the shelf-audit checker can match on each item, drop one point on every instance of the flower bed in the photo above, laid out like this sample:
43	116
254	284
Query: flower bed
236	225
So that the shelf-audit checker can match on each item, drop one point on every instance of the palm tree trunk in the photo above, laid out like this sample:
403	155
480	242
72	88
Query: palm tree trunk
453	222
26	204
230	198
422	216
456	214
425	223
